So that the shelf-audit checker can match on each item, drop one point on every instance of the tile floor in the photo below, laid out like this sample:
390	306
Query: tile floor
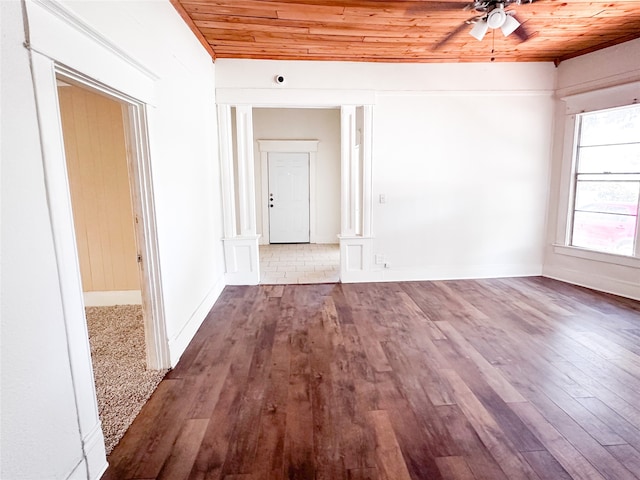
299	263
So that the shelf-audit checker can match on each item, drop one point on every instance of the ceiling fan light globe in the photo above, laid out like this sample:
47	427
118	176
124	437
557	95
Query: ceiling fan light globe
510	25
496	18
479	30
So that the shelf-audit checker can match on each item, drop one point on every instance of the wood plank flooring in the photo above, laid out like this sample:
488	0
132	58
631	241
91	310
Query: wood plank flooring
524	378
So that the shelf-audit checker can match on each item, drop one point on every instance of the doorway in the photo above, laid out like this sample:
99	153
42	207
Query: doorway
288	197
101	163
343	198
309	138
299	243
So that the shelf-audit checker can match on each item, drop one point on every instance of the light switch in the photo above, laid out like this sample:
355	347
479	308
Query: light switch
383	198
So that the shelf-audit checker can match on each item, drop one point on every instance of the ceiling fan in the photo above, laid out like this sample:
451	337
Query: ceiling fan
490	14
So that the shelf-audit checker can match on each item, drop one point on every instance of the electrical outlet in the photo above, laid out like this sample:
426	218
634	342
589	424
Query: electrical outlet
379	258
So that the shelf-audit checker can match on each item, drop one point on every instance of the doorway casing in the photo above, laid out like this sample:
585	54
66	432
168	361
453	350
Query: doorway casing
142	200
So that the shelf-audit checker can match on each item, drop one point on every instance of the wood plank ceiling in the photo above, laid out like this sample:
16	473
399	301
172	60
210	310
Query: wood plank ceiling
403	31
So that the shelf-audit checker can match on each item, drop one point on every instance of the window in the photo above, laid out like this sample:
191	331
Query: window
607	181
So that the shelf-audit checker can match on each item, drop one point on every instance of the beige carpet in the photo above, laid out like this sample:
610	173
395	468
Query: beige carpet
123	383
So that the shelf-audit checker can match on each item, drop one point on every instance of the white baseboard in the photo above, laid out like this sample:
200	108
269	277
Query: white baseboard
95	451
78	472
242	278
398	274
116	297
94	462
180	341
359	277
594	281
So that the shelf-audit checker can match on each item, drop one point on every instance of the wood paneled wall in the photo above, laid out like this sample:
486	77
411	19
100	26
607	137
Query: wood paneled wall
95	148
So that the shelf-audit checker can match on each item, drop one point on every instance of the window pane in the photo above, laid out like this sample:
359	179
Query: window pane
607	181
614	159
608	127
611	197
604	232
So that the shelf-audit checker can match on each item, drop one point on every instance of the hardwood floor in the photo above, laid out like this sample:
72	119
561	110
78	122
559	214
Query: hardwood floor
477	379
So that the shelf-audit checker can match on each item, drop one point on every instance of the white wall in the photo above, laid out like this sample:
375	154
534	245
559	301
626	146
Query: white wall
461	151
306	124
143	49
597	80
465	181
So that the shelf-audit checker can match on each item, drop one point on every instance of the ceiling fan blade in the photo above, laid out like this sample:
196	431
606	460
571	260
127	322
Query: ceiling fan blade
450	36
522	32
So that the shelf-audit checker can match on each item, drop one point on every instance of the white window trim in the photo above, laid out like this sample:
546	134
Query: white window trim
602	99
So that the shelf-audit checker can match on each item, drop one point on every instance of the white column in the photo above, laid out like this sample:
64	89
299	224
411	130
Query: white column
348	141
226	165
241	251
356	243
366	150
246	177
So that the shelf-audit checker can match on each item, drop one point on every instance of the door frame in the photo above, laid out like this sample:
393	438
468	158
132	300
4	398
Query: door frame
309	147
356	127
142	200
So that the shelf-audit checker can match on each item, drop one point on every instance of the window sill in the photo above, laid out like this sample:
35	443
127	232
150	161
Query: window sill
592	255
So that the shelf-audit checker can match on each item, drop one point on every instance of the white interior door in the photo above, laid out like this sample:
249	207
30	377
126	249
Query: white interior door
288	197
